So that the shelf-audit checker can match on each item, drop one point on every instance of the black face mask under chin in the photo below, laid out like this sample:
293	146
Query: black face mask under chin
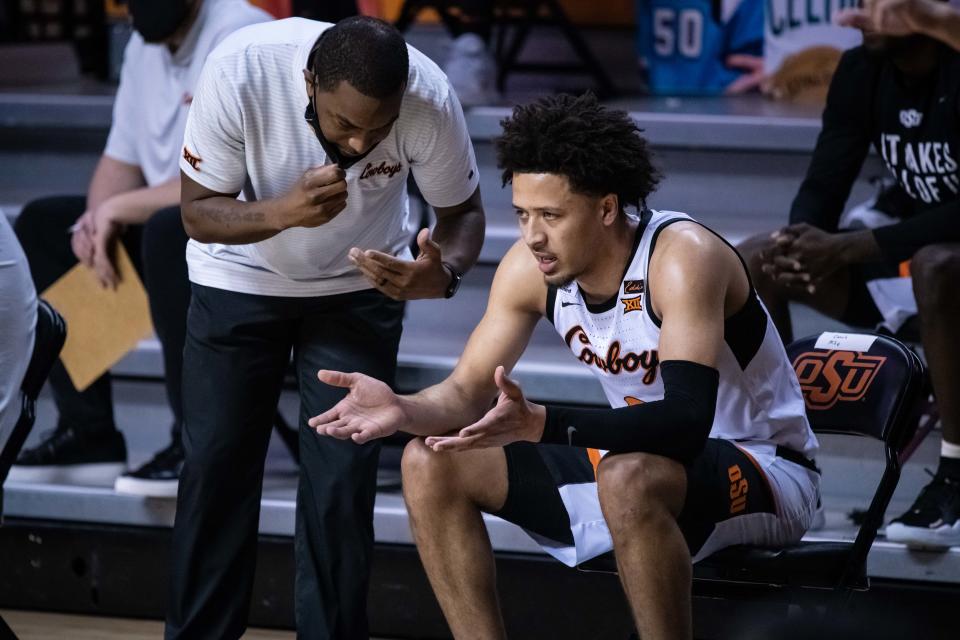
157	20
341	160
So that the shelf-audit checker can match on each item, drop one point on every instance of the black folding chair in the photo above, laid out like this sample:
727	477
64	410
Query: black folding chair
878	394
50	336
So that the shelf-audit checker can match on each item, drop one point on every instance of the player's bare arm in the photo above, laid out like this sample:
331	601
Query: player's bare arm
696	281
371	410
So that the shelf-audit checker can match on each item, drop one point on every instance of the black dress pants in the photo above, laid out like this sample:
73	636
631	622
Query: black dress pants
238	348
158	251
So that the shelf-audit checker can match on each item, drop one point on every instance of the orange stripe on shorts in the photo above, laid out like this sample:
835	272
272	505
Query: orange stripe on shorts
595	457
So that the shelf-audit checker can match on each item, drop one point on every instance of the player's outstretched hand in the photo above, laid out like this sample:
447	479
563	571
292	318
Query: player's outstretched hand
370	410
513	419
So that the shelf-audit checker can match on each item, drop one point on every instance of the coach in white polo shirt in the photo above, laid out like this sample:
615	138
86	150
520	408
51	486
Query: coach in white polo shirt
133	198
298	146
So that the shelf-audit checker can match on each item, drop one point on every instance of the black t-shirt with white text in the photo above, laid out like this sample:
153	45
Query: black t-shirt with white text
914	125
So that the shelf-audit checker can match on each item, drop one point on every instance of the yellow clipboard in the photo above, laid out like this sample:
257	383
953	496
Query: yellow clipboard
102	324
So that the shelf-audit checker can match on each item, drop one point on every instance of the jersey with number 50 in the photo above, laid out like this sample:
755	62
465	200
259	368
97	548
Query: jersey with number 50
685	43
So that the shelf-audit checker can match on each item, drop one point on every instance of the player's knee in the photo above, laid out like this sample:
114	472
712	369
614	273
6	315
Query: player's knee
936	270
426	473
636	487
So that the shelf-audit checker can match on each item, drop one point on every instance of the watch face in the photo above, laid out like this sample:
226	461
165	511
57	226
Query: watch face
454	282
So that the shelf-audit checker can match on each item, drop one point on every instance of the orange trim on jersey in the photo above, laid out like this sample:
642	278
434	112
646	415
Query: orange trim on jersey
763	474
595	458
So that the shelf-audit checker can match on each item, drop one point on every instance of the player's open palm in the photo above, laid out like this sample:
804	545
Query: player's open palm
512	419
370	410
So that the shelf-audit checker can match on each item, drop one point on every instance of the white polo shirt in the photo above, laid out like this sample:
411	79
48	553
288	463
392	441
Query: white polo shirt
153	99
246	133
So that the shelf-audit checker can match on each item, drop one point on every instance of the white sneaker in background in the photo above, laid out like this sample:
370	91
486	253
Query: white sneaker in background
472	71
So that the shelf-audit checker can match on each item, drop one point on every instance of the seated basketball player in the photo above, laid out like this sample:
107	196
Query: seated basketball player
706	444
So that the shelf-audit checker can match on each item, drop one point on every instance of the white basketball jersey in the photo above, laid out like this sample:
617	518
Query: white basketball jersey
759	398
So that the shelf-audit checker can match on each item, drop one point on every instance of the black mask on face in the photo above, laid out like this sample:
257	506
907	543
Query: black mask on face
157	20
332	151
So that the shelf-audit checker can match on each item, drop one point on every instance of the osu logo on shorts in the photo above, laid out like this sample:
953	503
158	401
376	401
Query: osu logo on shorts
738	489
828	377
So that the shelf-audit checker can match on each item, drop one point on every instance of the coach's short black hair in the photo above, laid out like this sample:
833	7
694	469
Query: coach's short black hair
598	150
368	53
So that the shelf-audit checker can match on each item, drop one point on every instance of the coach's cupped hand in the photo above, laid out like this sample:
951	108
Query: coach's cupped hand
370	409
425	277
512	419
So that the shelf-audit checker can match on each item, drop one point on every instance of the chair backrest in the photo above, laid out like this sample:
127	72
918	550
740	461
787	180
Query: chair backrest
865	385
859	384
50	335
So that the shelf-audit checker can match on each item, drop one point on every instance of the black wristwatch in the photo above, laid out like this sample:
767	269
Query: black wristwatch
455	278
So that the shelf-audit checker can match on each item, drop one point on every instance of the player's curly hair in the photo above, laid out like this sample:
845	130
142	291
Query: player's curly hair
598	150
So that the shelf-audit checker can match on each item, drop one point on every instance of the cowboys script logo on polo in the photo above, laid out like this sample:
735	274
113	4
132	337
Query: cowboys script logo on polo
192	160
382	169
828	377
910	118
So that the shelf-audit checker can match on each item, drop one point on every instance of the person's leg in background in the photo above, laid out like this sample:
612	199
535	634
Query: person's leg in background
360	332
934	519
168	288
85	447
470	67
237	350
167	282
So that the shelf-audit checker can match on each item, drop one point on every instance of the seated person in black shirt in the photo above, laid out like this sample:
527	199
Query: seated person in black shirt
899	257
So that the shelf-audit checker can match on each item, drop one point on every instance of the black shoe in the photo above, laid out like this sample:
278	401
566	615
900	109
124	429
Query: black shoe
70	457
158	478
934	519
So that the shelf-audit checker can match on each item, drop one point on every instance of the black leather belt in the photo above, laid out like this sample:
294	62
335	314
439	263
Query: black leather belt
797	458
